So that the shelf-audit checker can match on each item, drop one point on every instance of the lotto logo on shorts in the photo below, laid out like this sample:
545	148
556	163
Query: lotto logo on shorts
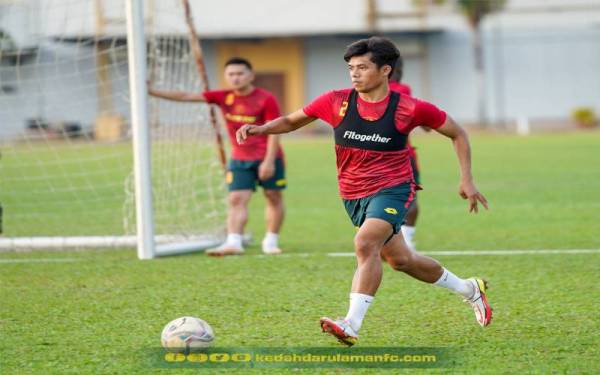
391	211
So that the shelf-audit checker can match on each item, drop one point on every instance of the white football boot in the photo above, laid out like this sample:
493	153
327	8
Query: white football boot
479	302
340	329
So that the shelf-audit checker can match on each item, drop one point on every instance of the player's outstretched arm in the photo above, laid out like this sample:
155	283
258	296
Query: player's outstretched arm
178	96
460	139
283	124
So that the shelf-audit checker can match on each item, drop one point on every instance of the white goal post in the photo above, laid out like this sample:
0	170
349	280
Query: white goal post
86	158
136	52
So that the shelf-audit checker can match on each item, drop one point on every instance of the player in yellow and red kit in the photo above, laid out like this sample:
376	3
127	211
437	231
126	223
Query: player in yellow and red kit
259	161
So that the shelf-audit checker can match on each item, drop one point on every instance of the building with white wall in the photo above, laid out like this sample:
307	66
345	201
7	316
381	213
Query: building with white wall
541	58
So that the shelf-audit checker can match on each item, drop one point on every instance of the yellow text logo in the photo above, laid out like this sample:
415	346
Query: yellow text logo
240	118
343	108
391	211
229	99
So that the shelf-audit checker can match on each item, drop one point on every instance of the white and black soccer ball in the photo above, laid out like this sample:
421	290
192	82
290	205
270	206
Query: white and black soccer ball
185	334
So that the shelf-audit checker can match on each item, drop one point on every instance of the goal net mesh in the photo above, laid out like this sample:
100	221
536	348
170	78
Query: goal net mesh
65	135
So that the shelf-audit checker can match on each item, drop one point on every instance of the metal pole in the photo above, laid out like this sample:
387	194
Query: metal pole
201	67
136	47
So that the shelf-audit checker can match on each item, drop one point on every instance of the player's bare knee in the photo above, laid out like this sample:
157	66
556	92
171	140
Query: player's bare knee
365	247
238	199
274	197
401	262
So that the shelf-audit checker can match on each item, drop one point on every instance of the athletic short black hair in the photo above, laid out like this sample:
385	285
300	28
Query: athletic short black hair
398	71
383	51
239	61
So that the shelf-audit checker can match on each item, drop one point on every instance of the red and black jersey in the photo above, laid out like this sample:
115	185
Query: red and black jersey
371	140
256	108
400	88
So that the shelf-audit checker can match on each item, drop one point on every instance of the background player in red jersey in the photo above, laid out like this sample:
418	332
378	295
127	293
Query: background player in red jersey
410	221
258	161
371	126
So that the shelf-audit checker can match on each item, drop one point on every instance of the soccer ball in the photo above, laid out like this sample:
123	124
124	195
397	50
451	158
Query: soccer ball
185	334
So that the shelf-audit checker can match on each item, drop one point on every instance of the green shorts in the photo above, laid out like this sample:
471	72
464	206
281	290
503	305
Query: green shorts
389	204
243	175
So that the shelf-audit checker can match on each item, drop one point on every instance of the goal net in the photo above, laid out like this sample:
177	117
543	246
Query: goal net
66	155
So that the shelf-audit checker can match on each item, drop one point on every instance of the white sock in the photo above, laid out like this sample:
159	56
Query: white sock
247	238
359	304
234	240
408	232
270	240
450	281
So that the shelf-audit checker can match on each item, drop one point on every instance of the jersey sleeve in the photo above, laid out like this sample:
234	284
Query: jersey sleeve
427	114
400	88
322	108
214	96
271	109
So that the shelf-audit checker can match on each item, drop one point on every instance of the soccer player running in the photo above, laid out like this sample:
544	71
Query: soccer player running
259	160
371	125
410	221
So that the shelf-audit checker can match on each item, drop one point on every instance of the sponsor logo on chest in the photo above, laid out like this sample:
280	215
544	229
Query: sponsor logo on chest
348	134
246	119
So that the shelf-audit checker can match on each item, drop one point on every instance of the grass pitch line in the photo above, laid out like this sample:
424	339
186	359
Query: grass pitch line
38	260
493	252
306	255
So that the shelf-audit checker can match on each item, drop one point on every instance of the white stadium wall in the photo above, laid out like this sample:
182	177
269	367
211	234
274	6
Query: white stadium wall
538	65
542	74
38	98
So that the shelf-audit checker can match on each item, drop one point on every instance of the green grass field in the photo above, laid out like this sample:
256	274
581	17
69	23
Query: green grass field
103	311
